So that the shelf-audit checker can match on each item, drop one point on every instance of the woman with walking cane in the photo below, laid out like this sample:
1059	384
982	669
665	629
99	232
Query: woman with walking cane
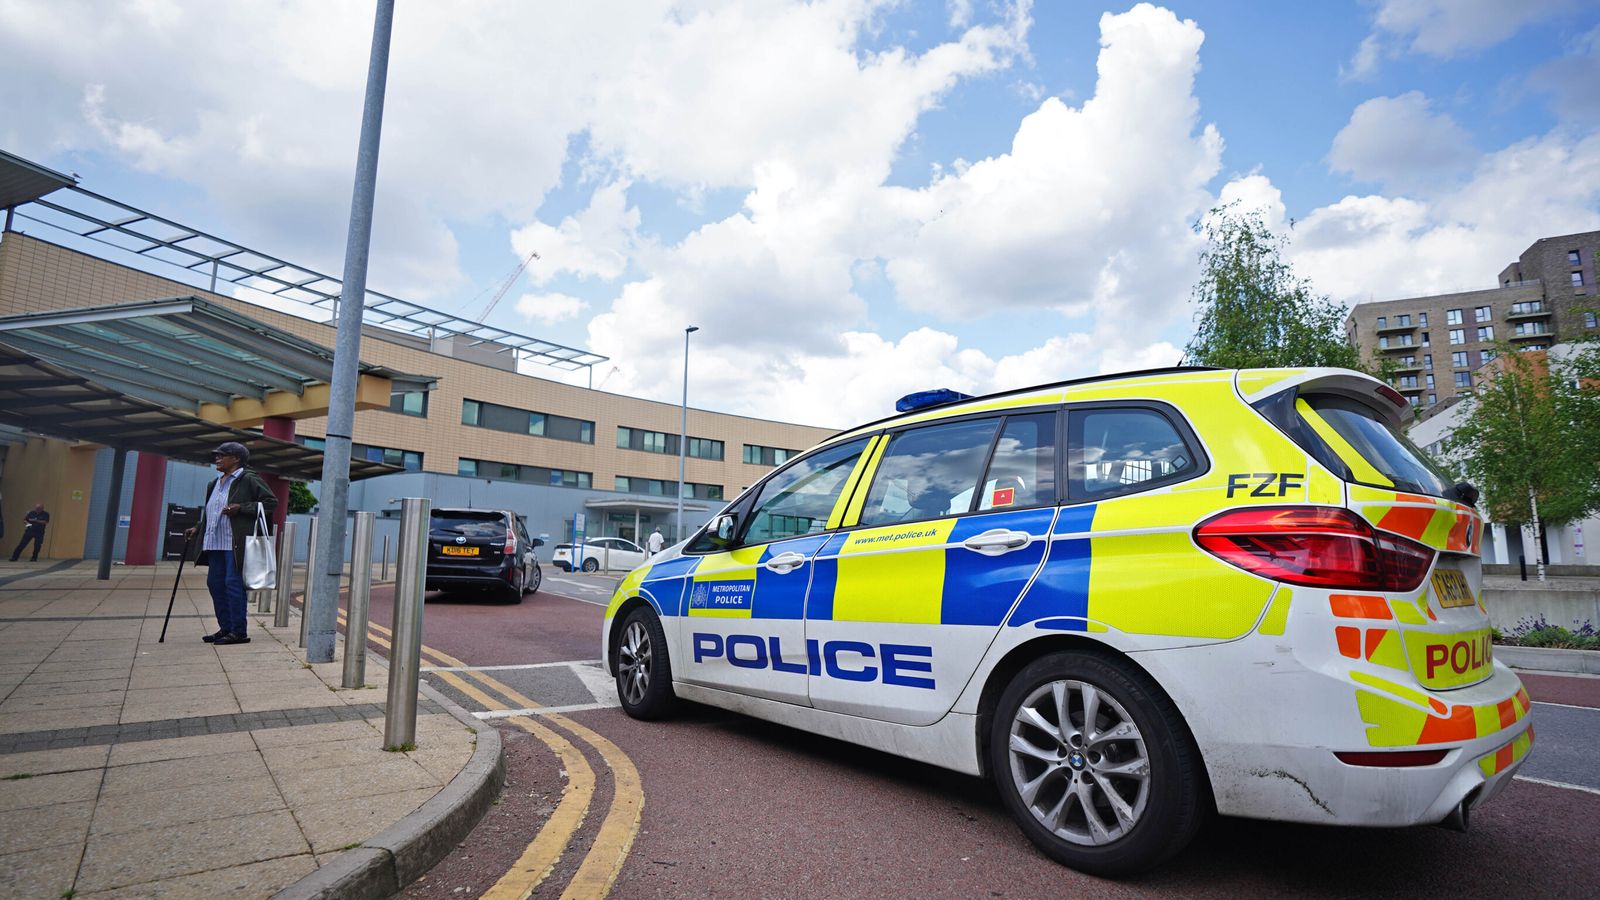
234	501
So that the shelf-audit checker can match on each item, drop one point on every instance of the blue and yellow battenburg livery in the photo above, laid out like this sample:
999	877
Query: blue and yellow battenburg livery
1261	545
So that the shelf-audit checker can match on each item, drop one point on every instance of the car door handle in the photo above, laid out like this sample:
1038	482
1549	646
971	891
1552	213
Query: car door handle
997	541
785	563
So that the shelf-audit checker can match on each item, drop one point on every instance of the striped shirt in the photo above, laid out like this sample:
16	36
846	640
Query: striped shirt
219	531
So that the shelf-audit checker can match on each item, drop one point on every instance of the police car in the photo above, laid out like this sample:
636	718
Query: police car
1128	600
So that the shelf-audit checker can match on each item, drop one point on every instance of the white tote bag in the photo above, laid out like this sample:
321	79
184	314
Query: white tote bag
260	563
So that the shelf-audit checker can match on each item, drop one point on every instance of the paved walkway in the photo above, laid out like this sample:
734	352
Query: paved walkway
133	768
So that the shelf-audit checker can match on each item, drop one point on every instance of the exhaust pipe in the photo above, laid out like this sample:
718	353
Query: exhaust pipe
1456	819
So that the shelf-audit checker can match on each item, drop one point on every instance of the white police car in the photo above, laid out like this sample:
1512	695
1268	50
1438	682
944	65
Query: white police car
1126	599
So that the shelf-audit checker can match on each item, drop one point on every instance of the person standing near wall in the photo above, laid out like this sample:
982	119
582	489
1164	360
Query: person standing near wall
32	530
233	501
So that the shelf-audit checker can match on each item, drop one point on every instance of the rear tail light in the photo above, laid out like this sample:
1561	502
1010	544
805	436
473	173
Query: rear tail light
1316	546
1395	759
511	544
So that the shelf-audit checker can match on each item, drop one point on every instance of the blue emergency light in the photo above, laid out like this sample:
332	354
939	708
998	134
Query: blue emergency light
925	399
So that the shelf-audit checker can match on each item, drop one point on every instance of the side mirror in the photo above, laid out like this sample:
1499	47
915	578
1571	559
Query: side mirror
538	542
722	528
1467	493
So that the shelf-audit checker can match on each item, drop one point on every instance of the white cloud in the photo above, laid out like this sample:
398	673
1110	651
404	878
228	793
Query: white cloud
1446	28
550	308
1573	81
1400	141
1365	61
596	242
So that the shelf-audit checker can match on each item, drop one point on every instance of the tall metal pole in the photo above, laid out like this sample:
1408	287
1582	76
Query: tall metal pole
108	523
683	428
322	604
405	651
355	629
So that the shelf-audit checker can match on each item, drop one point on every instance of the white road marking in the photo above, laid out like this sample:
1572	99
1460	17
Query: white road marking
542	710
1559	784
1565	705
548	665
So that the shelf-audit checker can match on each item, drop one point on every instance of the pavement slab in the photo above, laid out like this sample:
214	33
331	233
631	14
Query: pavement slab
181	769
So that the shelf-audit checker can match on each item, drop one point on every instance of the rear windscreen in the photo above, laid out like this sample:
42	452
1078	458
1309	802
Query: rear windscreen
469	524
1375	454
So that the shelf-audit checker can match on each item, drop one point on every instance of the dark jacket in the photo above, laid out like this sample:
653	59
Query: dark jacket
249	491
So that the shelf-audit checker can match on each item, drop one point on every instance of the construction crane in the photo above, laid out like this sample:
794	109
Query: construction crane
510	280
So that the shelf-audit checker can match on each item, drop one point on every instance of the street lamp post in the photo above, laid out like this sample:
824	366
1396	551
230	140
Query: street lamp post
683	426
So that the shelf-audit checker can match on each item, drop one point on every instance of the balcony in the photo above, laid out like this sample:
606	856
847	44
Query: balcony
1516	315
1531	335
1405	367
1413	389
1392	348
1391	329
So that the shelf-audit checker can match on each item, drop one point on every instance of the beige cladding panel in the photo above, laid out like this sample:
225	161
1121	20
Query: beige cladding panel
36	275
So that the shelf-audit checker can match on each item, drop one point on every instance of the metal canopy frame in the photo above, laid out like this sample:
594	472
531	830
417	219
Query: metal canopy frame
179	352
96	217
42	398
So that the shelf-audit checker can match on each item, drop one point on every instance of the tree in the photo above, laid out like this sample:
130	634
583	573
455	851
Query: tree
1531	438
301	500
1253	311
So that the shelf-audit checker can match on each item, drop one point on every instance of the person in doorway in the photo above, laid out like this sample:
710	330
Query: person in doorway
232	503
655	542
32	530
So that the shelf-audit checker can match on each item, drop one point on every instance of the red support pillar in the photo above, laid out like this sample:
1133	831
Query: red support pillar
144	523
282	429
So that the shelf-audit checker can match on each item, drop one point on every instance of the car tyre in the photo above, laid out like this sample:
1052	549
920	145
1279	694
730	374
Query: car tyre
644	673
535	578
1112	796
591	565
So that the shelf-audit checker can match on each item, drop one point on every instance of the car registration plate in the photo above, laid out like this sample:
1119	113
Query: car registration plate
459	551
1452	588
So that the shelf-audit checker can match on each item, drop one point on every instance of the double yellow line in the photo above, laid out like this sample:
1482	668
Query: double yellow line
601	865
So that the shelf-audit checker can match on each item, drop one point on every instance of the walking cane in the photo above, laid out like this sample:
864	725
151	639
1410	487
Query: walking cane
181	559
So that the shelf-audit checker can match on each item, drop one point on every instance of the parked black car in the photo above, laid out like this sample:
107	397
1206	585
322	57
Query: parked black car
486	549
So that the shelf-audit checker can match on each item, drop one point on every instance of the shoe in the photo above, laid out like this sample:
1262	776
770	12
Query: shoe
212	638
231	639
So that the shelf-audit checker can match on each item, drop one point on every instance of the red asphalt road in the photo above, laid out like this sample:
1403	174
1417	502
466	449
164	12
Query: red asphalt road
737	807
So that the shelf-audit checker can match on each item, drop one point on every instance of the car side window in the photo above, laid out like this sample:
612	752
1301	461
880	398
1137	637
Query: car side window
929	472
798	499
1122	450
1023	470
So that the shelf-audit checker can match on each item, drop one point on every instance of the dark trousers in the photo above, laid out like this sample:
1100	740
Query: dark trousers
29	534
227	591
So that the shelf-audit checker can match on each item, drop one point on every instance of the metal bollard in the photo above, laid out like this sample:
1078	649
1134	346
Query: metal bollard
383	571
355	629
606	552
280	612
405	653
311	567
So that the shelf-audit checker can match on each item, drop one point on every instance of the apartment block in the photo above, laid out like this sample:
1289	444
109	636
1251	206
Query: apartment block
1438	342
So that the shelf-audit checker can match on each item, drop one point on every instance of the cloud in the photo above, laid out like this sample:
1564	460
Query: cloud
551	308
595	243
1573	82
1400	141
1447	28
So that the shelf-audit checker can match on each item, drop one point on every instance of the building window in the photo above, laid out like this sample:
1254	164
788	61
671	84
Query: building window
1405	341
1407	362
1486	333
757	455
484	468
1589	320
1458	359
661	442
409	403
1422	319
1531	347
1427	360
1577	279
1487	356
1528	307
1432	399
1463	379
1404	320
1572	257
410	460
1452	317
1383	343
522	421
1429	382
661	487
1408	382
1527	328
1482	314
1383	321
1458	335
1424	339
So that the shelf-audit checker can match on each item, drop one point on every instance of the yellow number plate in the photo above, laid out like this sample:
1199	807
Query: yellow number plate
1452	588
459	551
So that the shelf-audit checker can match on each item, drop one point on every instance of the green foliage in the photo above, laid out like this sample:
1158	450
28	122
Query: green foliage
301	500
1253	311
1532	433
1535	631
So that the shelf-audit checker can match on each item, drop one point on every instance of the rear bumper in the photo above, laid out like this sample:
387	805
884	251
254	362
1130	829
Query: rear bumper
1270	753
468	576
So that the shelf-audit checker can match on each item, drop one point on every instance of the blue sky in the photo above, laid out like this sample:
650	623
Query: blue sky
852	198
